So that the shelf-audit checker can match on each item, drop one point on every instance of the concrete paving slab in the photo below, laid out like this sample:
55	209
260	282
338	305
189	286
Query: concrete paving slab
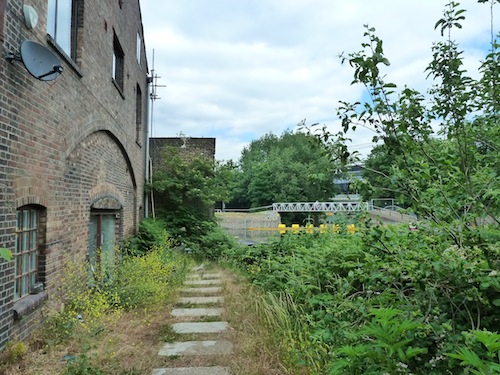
200	327
198	268
209	290
203	282
200	300
202	275
197	312
216	370
190	348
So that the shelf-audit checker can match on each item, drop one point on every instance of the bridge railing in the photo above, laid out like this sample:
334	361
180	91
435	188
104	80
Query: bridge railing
321	207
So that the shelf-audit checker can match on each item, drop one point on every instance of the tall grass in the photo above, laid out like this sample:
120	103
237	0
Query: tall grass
287	323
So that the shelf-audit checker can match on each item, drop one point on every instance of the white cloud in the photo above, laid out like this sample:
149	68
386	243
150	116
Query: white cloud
236	70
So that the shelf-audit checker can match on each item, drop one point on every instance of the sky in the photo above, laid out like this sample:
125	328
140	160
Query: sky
235	70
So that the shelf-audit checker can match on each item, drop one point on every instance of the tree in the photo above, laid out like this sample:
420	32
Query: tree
186	189
456	184
376	169
292	167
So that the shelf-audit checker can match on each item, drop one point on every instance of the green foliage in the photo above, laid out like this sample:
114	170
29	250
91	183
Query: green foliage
134	281
382	345
291	167
481	354
383	300
147	279
212	244
152	233
82	366
388	299
5	254
450	176
13	352
186	188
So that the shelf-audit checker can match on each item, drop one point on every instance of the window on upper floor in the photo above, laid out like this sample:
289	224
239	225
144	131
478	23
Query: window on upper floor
139	48
138	114
64	18
30	234
118	63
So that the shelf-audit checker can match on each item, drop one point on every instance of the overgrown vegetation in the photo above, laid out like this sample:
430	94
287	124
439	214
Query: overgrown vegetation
186	188
383	300
390	300
89	307
443	147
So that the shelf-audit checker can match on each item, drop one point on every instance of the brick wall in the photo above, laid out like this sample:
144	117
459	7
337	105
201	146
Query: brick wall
188	146
70	142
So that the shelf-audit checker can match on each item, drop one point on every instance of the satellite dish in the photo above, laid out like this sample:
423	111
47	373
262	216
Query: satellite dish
40	62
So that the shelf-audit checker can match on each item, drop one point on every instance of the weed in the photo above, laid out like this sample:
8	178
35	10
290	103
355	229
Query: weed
82	366
14	352
167	333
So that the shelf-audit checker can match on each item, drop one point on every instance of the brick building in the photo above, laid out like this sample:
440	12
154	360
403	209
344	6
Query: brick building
72	150
188	146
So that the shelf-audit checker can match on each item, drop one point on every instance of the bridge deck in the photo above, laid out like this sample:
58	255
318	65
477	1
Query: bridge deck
320	207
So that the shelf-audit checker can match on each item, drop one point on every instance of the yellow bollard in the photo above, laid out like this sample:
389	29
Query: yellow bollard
295	228
310	228
351	229
323	228
282	228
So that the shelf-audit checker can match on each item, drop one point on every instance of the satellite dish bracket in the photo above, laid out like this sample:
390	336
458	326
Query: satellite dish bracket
38	60
55	69
11	56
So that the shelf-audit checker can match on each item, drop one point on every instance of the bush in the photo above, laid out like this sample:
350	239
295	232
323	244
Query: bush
148	279
152	232
385	299
212	244
133	281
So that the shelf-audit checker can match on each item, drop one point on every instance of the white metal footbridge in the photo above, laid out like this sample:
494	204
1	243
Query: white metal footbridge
354	206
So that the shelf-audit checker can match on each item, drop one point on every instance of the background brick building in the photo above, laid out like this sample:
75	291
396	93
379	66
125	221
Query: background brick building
72	150
188	146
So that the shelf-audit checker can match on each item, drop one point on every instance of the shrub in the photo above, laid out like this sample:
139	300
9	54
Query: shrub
354	290
132	281
213	243
152	233
148	279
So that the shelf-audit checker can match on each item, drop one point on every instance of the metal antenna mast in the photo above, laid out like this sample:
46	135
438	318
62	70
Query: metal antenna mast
153	96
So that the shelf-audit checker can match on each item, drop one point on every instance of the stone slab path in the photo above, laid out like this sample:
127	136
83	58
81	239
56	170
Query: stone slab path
208	290
197	312
207	300
216	370
207	347
200	300
203	282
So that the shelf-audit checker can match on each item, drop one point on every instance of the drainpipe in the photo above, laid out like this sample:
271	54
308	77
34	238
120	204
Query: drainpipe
149	114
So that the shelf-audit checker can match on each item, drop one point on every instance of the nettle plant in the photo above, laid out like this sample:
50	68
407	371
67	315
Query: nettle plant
444	144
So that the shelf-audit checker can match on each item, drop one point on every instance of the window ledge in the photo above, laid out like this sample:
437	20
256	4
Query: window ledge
118	88
64	56
27	304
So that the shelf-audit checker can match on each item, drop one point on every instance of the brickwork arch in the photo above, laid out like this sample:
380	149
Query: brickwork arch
106	196
30	190
96	123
